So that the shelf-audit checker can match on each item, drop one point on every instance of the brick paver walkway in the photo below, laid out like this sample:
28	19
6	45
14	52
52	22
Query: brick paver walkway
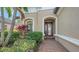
51	45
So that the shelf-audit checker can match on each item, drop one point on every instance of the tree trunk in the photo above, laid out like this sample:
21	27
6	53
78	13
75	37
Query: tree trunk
23	16
12	27
2	26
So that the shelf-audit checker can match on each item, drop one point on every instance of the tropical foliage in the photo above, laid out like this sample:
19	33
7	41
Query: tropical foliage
9	11
22	29
20	46
2	23
37	36
10	40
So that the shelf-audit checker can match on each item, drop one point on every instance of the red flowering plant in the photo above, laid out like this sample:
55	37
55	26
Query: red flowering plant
22	29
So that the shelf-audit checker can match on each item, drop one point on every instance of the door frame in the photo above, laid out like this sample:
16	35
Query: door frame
43	24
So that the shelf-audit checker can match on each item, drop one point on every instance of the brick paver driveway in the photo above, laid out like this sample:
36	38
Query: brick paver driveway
51	45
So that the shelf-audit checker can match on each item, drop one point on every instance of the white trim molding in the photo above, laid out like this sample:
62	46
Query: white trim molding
53	16
69	39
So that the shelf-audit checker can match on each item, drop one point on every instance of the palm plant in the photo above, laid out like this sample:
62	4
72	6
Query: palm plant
2	22
9	11
12	26
2	27
22	11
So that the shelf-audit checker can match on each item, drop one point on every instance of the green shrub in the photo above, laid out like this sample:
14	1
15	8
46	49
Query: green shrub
25	45
11	49
20	46
14	36
7	49
37	36
5	34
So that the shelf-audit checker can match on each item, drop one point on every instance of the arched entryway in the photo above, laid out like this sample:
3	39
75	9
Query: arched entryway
49	27
29	23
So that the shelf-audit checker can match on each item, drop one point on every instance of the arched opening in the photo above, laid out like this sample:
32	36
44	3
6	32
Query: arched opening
49	27
29	24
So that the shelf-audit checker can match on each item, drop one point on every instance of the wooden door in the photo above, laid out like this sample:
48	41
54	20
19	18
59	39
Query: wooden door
48	28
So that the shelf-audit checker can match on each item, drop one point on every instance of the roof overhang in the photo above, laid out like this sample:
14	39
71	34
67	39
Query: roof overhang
56	10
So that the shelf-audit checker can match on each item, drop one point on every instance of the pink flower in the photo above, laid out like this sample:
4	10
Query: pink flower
21	27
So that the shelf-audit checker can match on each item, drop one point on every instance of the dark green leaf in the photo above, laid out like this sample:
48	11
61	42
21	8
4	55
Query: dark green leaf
25	9
9	11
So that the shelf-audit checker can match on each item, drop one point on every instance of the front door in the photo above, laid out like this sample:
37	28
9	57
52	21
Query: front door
48	28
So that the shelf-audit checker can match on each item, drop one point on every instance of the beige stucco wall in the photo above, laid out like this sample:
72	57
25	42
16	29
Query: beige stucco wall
42	15
38	18
68	22
68	28
7	23
33	16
